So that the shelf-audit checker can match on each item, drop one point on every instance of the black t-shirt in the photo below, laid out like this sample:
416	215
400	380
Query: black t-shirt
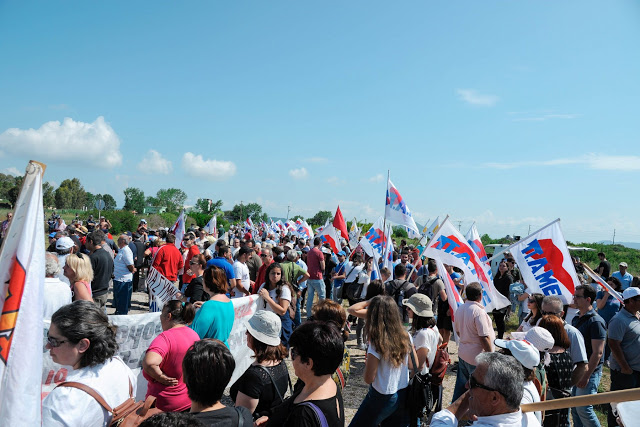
256	384
606	268
195	291
291	414
502	283
102	264
224	417
91	225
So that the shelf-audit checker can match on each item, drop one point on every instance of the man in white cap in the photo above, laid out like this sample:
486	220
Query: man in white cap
64	248
622	275
624	340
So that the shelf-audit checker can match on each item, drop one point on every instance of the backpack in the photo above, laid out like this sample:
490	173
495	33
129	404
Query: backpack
127	414
440	364
427	284
398	296
419	394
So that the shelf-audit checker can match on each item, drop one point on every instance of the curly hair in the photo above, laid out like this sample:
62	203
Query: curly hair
83	319
385	330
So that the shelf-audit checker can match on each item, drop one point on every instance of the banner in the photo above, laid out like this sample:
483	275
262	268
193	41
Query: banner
21	304
449	246
135	334
162	289
545	264
396	210
453	295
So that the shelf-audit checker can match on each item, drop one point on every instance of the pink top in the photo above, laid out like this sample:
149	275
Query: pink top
172	345
472	322
86	285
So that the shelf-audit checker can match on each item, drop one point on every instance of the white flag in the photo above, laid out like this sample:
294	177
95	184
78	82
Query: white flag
433	228
212	226
545	264
21	306
178	230
396	210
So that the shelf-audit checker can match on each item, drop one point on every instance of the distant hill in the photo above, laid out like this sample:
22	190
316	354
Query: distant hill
632	245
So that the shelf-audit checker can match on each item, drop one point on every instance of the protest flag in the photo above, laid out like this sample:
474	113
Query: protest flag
340	224
374	242
212	226
449	246
431	230
178	229
545	264
453	295
598	279
331	236
473	237
249	223
396	210
21	306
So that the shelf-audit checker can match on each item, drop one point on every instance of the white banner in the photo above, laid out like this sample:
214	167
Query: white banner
161	290
137	331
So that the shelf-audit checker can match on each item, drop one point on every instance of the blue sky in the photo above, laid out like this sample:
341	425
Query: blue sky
508	113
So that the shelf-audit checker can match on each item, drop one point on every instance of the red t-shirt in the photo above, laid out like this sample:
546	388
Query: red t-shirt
172	345
168	261
261	277
193	251
314	258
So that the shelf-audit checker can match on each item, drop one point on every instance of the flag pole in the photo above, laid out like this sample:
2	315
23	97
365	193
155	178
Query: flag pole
384	221
515	243
425	248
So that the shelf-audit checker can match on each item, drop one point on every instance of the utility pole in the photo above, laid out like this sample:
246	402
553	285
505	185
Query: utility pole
614	236
288	210
459	225
529	232
241	210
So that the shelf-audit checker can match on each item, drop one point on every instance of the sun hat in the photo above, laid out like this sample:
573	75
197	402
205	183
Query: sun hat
523	351
630	292
420	304
265	326
64	243
541	339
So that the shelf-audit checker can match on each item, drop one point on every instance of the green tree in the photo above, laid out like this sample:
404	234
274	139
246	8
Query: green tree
48	196
72	194
320	218
14	191
241	212
203	206
134	199
109	202
7	182
172	198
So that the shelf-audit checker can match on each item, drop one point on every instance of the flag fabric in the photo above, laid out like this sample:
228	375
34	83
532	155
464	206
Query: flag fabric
340	224
604	284
374	241
331	236
545	264
411	233
354	234
212	226
396	210
453	295
449	246
178	230
304	230
249	223
21	304
388	253
473	237
431	230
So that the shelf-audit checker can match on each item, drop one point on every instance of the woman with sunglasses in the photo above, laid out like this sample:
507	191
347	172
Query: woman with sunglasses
215	317
534	303
80	336
78	270
162	364
275	295
502	282
195	288
558	368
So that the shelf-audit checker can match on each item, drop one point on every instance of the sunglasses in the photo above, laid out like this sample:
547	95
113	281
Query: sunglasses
545	313
473	383
54	342
532	301
263	255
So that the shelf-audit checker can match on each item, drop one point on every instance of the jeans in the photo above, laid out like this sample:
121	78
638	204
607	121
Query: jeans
101	302
382	409
122	296
462	377
337	289
297	319
620	381
314	286
585	415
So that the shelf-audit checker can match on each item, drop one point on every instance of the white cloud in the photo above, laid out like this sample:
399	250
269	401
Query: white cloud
540	116
153	163
70	141
317	159
589	161
12	171
334	180
299	173
378	178
473	97
215	170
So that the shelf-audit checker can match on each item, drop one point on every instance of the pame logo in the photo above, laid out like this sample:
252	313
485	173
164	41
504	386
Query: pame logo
395	202
376	237
477	247
545	261
460	249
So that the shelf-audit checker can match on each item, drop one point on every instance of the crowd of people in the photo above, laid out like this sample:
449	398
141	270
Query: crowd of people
308	301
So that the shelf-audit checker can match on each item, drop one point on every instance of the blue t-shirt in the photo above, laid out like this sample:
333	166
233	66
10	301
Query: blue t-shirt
592	327
223	264
339	269
625	280
214	320
611	307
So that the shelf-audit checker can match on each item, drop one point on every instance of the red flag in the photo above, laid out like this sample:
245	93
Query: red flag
340	224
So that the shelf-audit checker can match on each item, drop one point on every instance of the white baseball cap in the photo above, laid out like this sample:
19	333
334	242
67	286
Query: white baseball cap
523	351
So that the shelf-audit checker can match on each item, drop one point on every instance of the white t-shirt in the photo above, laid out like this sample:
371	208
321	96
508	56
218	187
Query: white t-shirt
67	406
57	294
352	272
241	272
531	395
389	379
427	338
285	294
123	258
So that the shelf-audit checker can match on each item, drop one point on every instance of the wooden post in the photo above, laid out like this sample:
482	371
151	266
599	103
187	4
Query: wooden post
590	399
